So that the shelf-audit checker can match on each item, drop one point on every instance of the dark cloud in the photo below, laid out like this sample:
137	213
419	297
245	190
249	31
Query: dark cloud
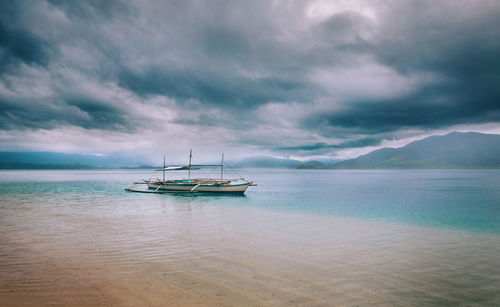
21	46
92	9
457	45
221	64
228	90
342	34
81	111
18	45
429	108
101	114
459	39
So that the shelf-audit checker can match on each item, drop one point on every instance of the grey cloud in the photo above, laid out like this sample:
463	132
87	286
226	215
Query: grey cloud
426	110
456	43
18	45
101	114
228	90
344	33
235	57
457	38
21	46
92	9
85	112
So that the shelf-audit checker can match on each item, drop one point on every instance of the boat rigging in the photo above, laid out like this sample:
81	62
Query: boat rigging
193	185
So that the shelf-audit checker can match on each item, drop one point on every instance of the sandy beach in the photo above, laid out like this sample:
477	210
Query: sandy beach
204	255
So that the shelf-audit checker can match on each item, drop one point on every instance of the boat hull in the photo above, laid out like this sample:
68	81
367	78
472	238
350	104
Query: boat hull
195	187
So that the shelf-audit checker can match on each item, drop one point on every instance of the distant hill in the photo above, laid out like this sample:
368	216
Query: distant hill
54	160
455	150
318	164
266	162
327	161
270	162
57	160
452	151
15	165
312	164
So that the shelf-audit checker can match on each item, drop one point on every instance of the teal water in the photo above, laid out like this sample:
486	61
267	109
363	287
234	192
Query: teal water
463	200
301	237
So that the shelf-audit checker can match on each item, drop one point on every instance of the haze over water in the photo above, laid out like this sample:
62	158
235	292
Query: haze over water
301	237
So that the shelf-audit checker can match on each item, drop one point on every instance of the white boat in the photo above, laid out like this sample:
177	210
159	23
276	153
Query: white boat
194	185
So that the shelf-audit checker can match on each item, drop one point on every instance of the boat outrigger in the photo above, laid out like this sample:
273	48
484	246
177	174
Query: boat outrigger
193	185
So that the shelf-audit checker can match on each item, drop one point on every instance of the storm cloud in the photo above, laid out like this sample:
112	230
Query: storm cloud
302	78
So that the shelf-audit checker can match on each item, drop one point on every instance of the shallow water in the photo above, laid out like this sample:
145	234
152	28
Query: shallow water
300	237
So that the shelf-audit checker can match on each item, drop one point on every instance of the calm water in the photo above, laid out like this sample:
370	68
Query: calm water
464	200
300	237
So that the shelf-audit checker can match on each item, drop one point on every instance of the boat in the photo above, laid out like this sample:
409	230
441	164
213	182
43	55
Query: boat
193	185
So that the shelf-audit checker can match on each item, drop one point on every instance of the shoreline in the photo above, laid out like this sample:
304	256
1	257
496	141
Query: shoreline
274	263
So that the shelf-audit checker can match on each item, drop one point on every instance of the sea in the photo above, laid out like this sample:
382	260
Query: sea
300	238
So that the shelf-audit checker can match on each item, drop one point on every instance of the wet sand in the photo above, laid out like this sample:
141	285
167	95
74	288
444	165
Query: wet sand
196	254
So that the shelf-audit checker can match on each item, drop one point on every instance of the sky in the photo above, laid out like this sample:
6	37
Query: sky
291	79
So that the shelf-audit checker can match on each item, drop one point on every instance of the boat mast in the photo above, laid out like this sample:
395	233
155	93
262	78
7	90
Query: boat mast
163	168
189	165
222	166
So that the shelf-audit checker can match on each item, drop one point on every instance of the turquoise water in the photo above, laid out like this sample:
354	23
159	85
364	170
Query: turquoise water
463	200
301	237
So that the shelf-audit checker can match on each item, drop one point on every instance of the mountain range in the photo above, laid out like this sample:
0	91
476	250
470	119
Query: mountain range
57	160
455	150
